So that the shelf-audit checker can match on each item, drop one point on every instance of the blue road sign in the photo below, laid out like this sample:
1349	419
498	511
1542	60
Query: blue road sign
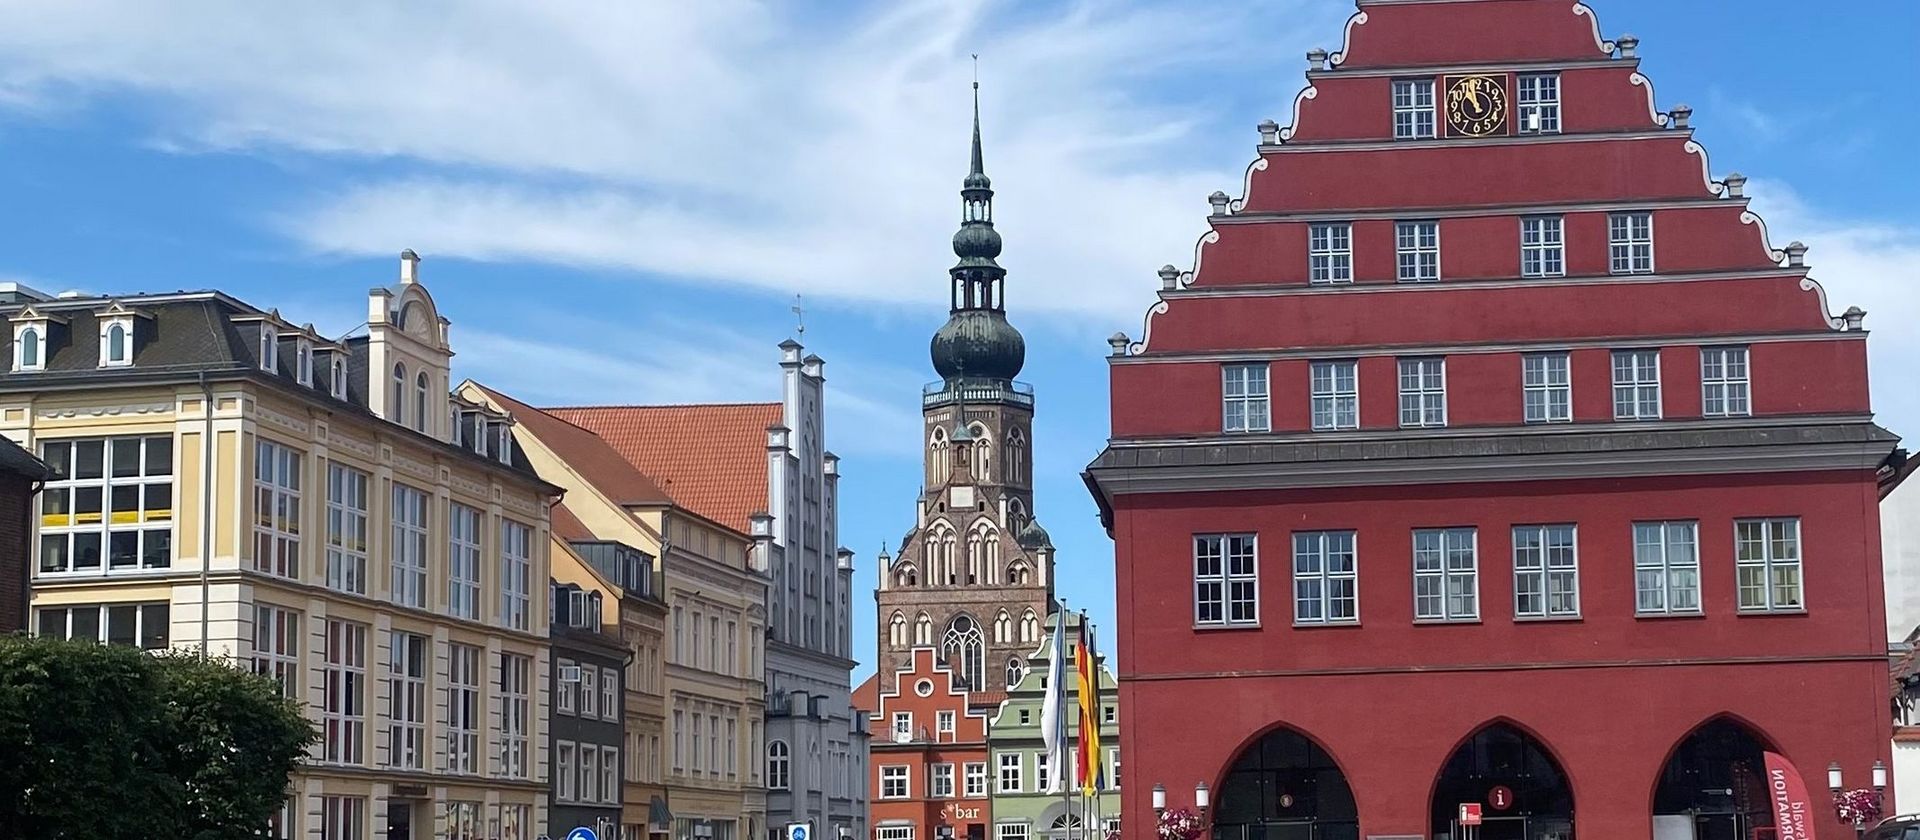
797	831
582	833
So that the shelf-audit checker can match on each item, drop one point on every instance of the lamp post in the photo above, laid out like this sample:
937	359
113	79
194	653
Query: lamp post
1202	797
1858	815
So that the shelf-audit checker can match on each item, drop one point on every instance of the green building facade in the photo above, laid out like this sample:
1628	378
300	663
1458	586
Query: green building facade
1023	807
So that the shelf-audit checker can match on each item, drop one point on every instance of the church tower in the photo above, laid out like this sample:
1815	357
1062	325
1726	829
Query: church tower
974	576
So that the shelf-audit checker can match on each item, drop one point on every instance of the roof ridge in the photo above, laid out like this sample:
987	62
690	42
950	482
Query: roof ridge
636	406
501	396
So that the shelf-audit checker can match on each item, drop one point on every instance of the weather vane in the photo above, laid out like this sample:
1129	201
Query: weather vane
799	318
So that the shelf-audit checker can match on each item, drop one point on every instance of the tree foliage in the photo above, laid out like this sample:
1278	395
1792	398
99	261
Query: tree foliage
104	742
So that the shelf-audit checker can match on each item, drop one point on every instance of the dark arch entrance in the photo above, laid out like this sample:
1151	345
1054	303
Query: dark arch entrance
1713	786
1285	787
1522	792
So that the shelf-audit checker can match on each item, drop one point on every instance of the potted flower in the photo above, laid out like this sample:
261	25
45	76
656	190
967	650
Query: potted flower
1180	824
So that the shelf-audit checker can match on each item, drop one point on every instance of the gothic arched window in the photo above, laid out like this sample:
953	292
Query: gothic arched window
1002	628
116	344
897	630
965	648
1016	671
777	764
982	454
29	356
1016	456
1029	627
1017	573
923	630
938	467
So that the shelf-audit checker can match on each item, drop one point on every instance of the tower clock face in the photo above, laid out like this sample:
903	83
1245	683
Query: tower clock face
1476	105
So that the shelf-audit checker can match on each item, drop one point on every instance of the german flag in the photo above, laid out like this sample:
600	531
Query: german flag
1091	769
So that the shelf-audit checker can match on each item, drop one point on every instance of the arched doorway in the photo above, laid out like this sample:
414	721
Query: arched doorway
1521	790
1285	787
1713	786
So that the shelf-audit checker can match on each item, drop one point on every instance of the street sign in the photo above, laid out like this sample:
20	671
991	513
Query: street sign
582	833
1500	797
798	831
1469	814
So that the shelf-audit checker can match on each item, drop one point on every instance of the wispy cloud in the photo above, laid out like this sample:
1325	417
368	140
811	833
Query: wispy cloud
730	142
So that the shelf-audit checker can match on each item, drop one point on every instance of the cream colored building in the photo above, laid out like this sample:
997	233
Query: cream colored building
715	592
378	549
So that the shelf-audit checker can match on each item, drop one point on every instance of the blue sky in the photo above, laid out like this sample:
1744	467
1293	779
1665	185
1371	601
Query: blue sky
618	202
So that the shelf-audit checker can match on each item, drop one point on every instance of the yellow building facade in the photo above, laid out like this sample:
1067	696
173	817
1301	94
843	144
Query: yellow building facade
317	510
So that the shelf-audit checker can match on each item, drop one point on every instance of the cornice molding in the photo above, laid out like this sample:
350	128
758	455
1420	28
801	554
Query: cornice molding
1378	145
1404	70
1348	351
1473	210
1249	290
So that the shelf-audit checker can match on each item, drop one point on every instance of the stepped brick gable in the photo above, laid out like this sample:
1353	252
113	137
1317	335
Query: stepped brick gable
1490	451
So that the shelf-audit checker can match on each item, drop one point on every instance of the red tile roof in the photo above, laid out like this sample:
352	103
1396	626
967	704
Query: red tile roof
568	527
866	698
712	458
586	454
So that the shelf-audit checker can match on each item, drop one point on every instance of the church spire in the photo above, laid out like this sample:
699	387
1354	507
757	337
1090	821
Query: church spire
977	342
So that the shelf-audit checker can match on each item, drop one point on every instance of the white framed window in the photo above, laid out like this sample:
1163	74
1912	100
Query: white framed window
1113	772
1010	831
276	647
143	625
344	703
1011	773
609	775
397	398
940	781
1334	395
566	777
276	499
109	507
1636	384
609	694
902	727
343	818
420	412
1042	772
589	691
1423	393
1226	580
566	685
1767	560
1416	247
1446	574
463	709
1330	253
1539	103
409	549
346	529
944	721
1630	243
1412	109
1543	246
463	560
679	740
1547	387
1666	567
337	374
516	574
1244	403
589	773
893	832
303	361
269	347
779	763
1546	571
1325	578
116	342
516	713
1724	387
29	347
407	700
894	782
976	780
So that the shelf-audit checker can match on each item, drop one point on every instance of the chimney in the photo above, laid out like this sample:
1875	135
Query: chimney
409	267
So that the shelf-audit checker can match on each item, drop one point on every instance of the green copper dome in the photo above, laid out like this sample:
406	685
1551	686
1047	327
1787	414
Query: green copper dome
978	344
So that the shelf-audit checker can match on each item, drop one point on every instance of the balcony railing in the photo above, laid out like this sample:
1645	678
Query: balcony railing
941	392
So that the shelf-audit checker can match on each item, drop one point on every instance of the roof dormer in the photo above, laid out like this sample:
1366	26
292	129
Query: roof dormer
33	336
120	331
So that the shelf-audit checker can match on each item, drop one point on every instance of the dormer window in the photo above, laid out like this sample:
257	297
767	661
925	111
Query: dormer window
30	347
505	452
453	423
303	361
479	442
269	347
338	363
116	341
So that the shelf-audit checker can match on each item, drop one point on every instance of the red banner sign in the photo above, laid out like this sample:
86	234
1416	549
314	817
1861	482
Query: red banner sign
1792	810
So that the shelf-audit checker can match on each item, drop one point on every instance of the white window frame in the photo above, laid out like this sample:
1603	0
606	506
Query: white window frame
151	630
902	727
944	721
1333	393
337	374
1659	569
464	708
609	774
277	479
566	776
1326	578
1768	572
1543	246
609	694
303	361
895	776
1630	243
407	745
1329	253
1543	377
1226	577
346	545
516	574
1441	579
1423	392
779	765
344	682
1546	569
516	708
124	324
589	767
1538	96
565	691
409	551
65	532
276	646
1416	251
1726	378
1636	384
1012	776
37	329
269	347
589	691
975	780
941	781
464	527
893	832
1414	114
1016	830
1246	405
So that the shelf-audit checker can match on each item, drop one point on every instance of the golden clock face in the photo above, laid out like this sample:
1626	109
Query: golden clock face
1476	105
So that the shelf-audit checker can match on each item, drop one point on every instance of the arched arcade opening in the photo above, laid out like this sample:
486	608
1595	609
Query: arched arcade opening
1521	791
1285	787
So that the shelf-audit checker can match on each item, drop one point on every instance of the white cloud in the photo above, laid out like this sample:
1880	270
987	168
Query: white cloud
1865	264
716	142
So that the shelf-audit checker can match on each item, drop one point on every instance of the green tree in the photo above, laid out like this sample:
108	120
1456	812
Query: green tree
100	741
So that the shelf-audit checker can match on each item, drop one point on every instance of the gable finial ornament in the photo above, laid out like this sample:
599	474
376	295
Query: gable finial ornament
1218	200
1682	116
1855	318
1169	278
1629	46
1736	184
1796	254
1316	59
1118	343
1269	133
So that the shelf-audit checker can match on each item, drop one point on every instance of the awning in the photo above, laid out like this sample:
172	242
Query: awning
658	817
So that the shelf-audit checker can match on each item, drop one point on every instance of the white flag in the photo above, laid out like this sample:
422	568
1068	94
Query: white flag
1053	728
